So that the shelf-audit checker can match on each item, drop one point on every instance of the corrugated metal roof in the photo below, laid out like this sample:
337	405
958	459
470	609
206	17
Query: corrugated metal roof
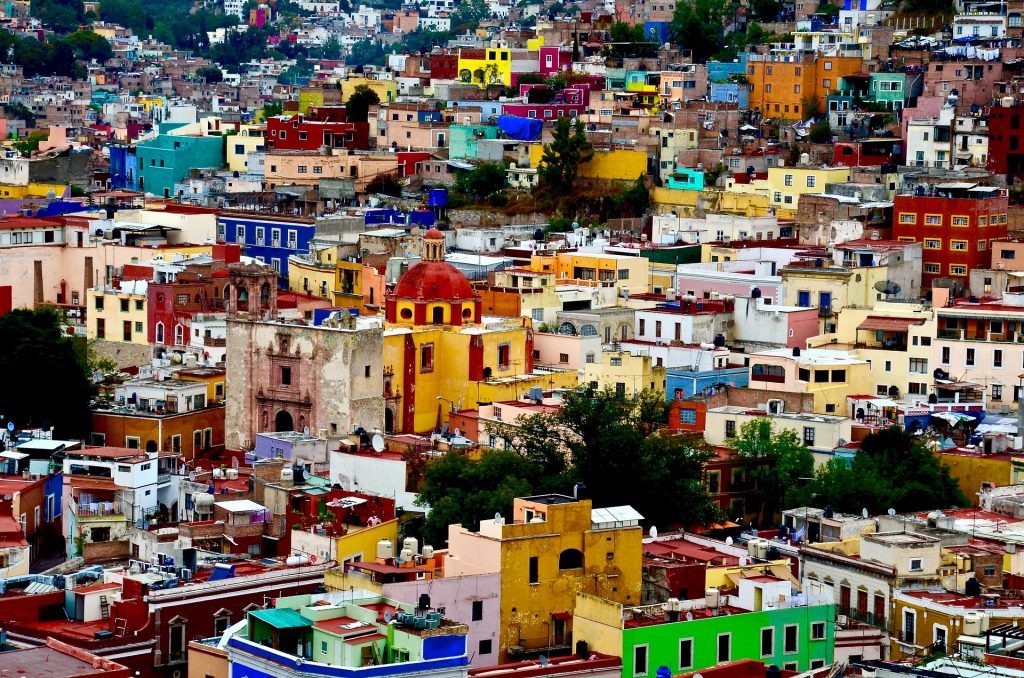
282	619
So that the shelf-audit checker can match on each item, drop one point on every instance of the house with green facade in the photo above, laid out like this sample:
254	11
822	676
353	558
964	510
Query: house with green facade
167	159
763	622
463	139
346	635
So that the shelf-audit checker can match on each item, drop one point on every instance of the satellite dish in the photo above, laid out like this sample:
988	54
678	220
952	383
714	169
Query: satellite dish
457	432
728	541
377	442
305	430
653	532
864	512
10	426
891	512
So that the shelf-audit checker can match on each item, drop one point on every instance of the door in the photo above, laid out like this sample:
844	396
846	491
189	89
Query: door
559	629
862	604
844	598
879	609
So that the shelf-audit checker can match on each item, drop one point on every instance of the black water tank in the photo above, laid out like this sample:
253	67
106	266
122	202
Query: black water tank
424	601
755	293
582	649
719	340
772	671
972	587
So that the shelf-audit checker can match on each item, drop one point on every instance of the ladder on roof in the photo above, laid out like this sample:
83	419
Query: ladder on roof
120	627
104	607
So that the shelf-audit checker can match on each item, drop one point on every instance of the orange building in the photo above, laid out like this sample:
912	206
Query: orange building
781	88
191	433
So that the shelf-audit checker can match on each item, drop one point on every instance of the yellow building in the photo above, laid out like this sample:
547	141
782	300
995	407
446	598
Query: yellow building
787	184
241	146
118	314
213	377
550	549
615	165
486	66
625	373
386	90
322	272
440	352
744	204
615	270
830	376
40	191
831	288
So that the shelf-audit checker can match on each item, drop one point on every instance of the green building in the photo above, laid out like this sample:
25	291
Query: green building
166	159
692	635
463	139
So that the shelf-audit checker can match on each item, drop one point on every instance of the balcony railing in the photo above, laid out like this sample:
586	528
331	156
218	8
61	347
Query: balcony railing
865	617
98	510
825	312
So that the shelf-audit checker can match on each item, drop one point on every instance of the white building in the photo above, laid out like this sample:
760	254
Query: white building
667	229
381	473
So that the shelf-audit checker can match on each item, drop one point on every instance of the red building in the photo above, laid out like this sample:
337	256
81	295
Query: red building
444	66
149	627
322	126
956	224
868	152
201	288
1006	141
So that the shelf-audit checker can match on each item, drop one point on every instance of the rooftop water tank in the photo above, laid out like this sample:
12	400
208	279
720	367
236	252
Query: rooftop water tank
385	549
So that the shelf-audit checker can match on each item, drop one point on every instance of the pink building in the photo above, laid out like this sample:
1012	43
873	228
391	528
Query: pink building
553	60
569	103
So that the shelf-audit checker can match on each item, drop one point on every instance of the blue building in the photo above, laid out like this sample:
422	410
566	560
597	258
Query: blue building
730	93
683	383
124	168
268	238
719	71
685	179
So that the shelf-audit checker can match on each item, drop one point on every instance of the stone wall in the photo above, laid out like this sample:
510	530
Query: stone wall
95	552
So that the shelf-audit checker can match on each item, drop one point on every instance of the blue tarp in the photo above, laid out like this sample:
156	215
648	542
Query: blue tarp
520	129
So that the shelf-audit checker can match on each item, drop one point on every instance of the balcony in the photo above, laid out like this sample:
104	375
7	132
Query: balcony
865	617
100	511
825	312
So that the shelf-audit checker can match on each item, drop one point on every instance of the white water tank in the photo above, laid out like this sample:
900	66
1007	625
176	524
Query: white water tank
232	474
287	476
752	547
762	549
385	549
712	597
974	623
203	501
406	554
292	561
218	474
410	544
428	551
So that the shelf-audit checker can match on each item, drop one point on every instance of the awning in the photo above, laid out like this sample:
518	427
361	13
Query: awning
952	418
282	619
885	324
882	402
9	454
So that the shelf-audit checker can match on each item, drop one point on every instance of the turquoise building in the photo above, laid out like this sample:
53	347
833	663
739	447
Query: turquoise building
685	179
166	160
464	138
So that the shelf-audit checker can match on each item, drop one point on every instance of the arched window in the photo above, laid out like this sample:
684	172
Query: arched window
160	333
179	335
567	328
588	330
570	559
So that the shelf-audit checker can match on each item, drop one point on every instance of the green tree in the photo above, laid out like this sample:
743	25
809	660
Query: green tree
829	9
559	165
630	41
30	144
468	15
61	15
272	109
461	491
776	460
357	108
698	25
765	10
820	132
385	184
210	74
89	45
481	181
51	375
892	469
364	53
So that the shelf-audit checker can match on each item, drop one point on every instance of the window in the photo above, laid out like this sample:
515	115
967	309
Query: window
1007	254
570	559
730	429
997	392
427	358
908	218
932	244
132	442
640	660
767	641
933	219
534	575
790	643
945	355
504	356
810	181
919	365
969	359
809	436
688	416
685	653
478	610
997	358
788	180
818	631
961	221
957	269
485	646
958	245
99	302
724	647
932	268
221	622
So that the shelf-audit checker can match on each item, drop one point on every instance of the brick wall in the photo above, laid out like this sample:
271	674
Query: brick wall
106	550
753	398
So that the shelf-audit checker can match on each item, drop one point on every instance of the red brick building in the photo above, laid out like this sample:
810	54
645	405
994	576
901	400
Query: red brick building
956	222
444	66
1006	141
322	126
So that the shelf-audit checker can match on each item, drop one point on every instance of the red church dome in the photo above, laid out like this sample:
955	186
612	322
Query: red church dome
434	234
434	280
